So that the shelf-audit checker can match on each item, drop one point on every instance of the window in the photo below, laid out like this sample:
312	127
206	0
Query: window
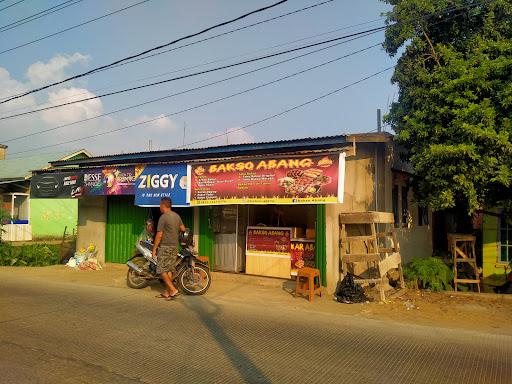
422	216
405	206
505	254
395	205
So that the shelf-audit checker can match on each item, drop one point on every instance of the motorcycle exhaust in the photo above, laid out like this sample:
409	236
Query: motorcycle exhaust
133	266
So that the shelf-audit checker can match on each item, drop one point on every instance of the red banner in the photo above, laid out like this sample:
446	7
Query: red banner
268	240
280	180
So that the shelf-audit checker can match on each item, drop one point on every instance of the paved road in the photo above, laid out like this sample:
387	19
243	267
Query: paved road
63	333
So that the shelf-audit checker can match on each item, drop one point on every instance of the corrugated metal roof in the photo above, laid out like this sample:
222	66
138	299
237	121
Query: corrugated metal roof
189	154
21	168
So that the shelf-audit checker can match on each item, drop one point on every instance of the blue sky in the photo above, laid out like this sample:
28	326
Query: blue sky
159	21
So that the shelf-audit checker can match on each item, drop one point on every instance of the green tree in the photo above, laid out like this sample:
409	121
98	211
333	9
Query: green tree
453	114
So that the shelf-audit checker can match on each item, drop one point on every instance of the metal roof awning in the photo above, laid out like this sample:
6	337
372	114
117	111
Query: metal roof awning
198	154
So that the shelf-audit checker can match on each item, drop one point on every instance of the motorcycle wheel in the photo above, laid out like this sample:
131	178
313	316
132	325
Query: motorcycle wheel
195	281
135	280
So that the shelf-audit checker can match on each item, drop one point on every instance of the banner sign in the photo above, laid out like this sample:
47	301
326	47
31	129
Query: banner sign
56	185
280	180
266	240
109	181
157	181
302	254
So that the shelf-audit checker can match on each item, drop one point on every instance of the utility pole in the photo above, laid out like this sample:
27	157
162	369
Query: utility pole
150	145
379	121
227	137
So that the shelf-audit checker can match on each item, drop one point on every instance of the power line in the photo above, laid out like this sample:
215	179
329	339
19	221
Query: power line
11	5
374	30
66	30
38	15
289	109
219	35
140	53
199	65
221	99
196	88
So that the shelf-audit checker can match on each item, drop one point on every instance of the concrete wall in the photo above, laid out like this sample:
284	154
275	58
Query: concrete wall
49	218
368	187
92	221
360	195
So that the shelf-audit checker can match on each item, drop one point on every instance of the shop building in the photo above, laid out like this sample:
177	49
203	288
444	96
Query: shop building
34	218
263	208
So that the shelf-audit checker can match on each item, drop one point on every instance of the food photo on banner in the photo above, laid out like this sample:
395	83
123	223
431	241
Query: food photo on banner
156	181
109	181
280	180
56	185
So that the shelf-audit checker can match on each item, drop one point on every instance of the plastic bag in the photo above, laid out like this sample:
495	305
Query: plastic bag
349	292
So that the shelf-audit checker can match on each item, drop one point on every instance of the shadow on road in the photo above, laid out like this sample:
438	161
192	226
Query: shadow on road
207	312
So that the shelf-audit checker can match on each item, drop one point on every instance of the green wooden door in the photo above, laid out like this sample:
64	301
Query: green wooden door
125	223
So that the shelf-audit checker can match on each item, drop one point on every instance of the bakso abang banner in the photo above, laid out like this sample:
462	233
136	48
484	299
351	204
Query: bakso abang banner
271	180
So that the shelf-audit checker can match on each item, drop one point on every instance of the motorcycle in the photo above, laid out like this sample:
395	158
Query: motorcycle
192	276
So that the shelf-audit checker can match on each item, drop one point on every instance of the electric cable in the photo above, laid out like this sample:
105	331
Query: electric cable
190	90
138	54
69	29
218	100
11	5
38	15
374	30
195	65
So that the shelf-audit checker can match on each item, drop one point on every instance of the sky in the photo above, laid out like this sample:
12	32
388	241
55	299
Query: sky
156	22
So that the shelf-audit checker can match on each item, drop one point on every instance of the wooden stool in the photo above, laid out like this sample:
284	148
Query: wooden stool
204	259
310	287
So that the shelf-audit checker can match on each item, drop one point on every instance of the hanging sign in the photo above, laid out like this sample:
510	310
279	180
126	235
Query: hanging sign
56	185
109	181
157	181
272	180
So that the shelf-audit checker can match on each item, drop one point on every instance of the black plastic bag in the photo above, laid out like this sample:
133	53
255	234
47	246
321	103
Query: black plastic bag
349	292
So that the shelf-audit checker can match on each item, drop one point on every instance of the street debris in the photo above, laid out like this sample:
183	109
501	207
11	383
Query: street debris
85	259
409	305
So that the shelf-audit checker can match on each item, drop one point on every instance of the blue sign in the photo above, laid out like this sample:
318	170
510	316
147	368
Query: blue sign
156	181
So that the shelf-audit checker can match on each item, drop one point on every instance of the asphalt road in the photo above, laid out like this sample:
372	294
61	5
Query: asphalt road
64	333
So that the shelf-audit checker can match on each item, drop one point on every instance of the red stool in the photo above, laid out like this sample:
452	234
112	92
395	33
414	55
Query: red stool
308	286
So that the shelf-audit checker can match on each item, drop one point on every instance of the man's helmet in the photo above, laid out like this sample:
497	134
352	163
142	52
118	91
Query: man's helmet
186	238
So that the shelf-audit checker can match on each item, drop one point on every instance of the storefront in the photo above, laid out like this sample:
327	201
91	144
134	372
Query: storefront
265	216
263	209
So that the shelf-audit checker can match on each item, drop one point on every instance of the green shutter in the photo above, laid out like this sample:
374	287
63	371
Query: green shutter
125	223
321	255
205	235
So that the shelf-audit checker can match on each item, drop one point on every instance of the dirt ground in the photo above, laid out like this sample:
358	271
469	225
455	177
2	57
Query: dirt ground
484	312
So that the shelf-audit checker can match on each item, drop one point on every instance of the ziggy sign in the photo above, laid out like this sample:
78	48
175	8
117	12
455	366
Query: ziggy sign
156	181
302	179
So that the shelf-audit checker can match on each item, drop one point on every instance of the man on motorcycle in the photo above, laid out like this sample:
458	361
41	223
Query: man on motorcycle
165	248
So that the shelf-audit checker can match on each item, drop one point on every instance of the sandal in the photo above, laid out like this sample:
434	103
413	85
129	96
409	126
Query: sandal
162	296
172	297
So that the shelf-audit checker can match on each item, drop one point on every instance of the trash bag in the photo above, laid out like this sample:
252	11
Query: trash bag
349	292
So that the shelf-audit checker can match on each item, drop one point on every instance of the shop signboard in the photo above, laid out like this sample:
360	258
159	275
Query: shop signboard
268	240
109	181
301	179
56	185
267	251
302	254
157	181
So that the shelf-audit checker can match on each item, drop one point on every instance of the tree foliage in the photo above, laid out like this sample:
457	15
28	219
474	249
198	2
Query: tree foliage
454	111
